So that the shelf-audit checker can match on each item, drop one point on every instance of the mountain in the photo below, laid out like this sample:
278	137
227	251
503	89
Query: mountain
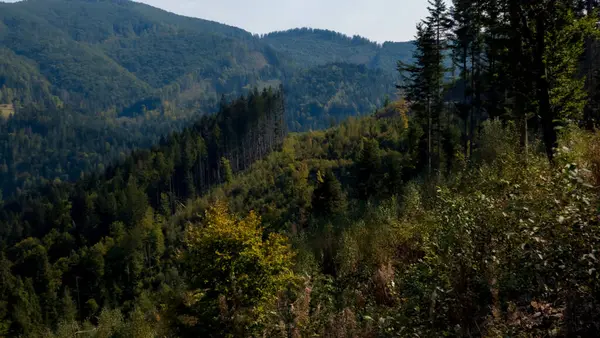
102	55
107	55
317	47
425	220
85	82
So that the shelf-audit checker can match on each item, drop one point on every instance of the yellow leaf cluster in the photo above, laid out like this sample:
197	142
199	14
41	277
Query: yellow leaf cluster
229	257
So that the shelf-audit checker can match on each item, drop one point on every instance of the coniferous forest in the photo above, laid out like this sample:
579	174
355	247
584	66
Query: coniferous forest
466	205
96	80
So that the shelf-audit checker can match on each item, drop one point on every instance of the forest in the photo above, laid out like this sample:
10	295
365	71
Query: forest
467	206
129	73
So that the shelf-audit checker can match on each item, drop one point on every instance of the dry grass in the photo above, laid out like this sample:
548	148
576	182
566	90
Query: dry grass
6	110
383	284
594	157
583	148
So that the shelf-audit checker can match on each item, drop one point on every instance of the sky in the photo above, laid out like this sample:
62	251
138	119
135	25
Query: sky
378	20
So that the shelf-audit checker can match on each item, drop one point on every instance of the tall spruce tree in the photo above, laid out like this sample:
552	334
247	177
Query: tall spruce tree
423	81
419	83
556	37
328	197
439	20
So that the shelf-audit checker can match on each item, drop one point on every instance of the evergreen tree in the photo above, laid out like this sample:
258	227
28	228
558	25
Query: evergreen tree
466	55
439	20
555	37
424	80
227	172
419	83
369	170
328	197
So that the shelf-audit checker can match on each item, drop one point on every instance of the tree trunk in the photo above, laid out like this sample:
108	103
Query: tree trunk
429	123
589	69
543	90
466	119
517	66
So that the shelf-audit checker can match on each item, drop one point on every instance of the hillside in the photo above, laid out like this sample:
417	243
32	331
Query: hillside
108	55
318	47
90	81
102	55
333	229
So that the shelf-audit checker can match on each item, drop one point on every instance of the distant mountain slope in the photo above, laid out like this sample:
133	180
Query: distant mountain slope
390	53
80	74
22	80
88	81
317	47
311	47
100	55
328	94
108	55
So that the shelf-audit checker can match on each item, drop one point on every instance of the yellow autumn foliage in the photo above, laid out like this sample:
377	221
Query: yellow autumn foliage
236	271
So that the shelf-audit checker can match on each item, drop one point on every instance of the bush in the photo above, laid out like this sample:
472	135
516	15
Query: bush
235	274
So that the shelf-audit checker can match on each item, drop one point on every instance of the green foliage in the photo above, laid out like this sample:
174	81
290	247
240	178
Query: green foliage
73	249
565	47
227	172
355	236
328	197
312	47
501	248
502	245
369	169
334	92
235	273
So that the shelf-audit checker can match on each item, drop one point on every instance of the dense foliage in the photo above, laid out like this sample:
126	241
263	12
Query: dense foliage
332	87
504	244
453	212
119	217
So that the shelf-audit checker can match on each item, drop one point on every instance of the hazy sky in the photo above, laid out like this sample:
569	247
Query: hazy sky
379	20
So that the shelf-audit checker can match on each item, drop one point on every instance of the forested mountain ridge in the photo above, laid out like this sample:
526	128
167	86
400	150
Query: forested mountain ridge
316	47
108	55
90	81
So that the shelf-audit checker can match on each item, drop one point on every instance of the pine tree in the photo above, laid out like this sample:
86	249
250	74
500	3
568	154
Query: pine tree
227	172
418	84
423	83
461	43
556	38
466	54
369	167
440	22
496	42
328	197
591	66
